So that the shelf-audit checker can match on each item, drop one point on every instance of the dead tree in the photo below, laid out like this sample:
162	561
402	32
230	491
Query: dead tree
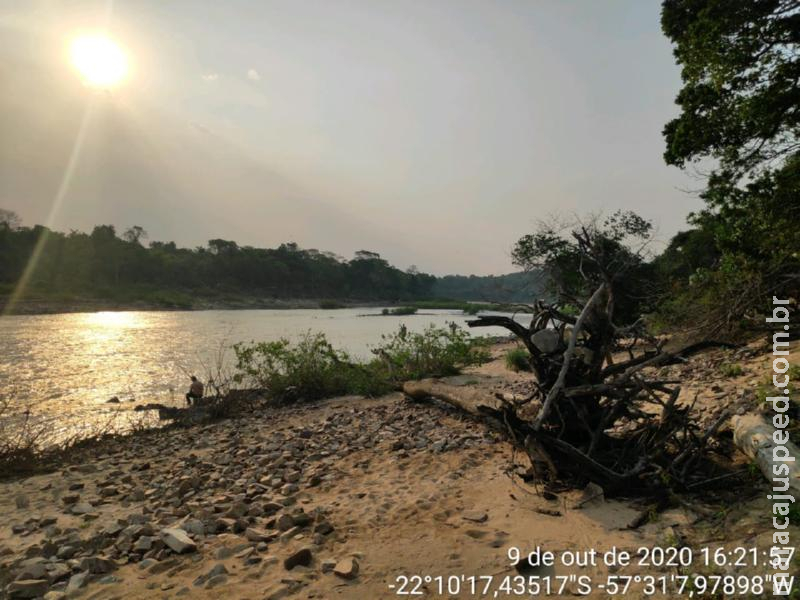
589	417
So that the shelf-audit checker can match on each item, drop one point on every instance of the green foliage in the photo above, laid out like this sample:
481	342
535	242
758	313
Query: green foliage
103	265
518	359
731	369
578	256
436	352
308	369
794	514
513	287
740	66
311	368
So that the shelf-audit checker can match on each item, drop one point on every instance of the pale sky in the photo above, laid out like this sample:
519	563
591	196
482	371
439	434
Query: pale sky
434	132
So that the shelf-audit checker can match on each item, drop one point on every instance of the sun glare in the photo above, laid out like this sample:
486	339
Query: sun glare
99	60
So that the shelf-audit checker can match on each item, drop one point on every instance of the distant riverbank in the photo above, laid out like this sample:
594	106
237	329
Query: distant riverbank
48	306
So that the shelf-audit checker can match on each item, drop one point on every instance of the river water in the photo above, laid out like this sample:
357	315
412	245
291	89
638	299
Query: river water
69	365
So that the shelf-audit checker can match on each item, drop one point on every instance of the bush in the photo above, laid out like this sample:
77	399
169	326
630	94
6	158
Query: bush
311	368
436	352
731	369
518	359
308	369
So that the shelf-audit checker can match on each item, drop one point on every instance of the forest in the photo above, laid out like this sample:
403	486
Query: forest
105	265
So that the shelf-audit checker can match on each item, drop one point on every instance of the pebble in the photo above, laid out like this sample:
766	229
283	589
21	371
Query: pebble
302	558
346	568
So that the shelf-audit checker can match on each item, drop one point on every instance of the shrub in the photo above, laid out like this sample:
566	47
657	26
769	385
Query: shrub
518	359
311	368
731	369
436	352
308	369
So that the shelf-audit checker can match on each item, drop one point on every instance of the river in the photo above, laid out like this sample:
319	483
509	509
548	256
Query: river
69	365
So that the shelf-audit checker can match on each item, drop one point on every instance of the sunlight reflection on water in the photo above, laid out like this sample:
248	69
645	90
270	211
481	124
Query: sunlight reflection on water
72	364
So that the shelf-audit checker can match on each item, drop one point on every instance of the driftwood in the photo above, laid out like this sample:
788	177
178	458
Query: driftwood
754	437
588	418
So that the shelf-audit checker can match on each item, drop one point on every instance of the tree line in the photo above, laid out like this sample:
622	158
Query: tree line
104	264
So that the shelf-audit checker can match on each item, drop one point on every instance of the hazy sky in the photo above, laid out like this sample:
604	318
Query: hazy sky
435	132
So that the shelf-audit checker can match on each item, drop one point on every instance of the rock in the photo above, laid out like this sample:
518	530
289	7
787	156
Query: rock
301	558
476	516
346	568
66	552
278	592
54	595
59	572
216	580
147	563
82	508
323	527
215	571
285	522
27	588
33	568
327	565
258	535
177	540
592	494
112	400
70	498
194	526
143	544
546	340
22	501
97	565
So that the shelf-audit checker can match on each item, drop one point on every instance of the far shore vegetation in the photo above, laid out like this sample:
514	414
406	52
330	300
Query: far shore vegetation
42	270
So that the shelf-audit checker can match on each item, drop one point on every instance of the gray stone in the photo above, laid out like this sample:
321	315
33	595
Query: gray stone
546	340
27	588
82	508
177	540
285	522
194	526
215	571
22	501
97	565
476	516
76	582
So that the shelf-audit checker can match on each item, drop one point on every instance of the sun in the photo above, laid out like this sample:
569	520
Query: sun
99	60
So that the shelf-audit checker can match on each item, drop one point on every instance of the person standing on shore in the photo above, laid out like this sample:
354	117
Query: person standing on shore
195	391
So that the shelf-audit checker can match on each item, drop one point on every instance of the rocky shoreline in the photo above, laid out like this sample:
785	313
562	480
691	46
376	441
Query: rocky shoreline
232	491
335	499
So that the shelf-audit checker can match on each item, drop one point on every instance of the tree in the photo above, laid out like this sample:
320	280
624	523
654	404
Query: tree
9	219
740	102
577	257
740	113
135	234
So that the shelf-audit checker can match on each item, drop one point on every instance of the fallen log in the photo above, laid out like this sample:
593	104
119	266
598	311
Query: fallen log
466	398
755	437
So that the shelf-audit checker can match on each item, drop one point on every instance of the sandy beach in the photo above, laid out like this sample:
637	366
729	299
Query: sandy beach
337	499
